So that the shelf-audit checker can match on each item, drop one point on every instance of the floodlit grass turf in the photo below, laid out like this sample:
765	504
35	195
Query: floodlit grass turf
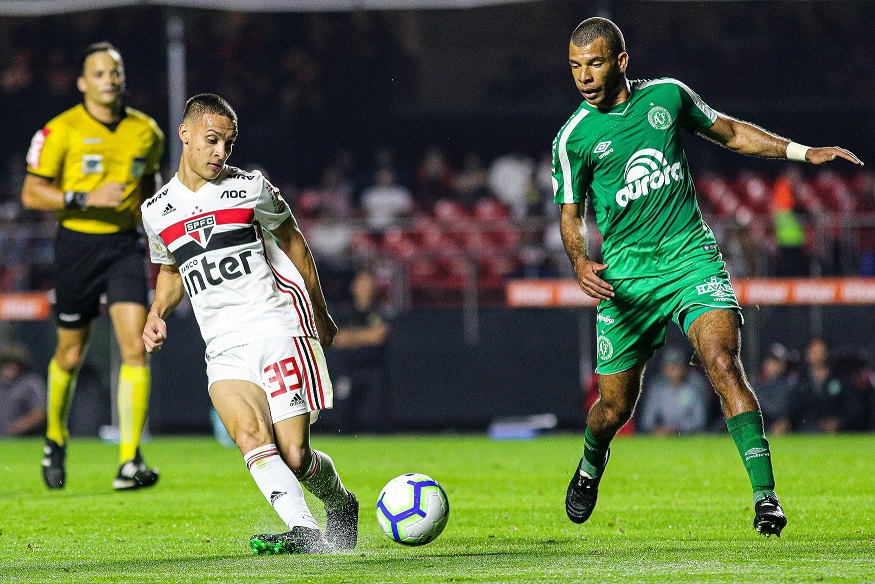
670	510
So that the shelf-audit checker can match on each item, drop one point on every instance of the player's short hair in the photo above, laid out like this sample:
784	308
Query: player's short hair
99	47
595	28
208	103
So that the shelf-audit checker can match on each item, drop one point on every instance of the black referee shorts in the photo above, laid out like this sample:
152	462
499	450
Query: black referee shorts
89	264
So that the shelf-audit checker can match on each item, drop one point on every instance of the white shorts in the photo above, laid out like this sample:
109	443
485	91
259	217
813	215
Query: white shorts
291	370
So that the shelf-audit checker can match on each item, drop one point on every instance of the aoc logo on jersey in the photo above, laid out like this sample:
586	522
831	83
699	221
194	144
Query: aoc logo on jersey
200	229
647	170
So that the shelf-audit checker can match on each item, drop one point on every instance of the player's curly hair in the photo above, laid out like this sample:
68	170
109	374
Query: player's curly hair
208	103
594	28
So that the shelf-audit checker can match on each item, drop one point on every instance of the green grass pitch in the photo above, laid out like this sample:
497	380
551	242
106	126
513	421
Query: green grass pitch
670	510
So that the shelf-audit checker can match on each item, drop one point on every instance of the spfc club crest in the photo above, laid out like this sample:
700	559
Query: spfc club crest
200	229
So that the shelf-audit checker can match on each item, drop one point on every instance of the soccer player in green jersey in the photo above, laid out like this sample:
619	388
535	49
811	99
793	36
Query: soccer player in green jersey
623	147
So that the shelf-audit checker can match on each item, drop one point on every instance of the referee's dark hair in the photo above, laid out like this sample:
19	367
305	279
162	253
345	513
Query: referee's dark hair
208	103
101	47
595	28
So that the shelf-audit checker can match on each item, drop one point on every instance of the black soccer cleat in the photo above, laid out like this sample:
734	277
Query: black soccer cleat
54	473
770	518
583	492
342	526
300	540
135	475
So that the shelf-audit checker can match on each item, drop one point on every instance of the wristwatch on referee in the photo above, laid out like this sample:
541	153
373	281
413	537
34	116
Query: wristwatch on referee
75	199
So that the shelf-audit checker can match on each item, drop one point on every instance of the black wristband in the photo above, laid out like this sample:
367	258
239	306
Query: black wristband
75	199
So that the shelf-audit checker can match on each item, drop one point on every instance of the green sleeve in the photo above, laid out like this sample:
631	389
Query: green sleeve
695	113
571	173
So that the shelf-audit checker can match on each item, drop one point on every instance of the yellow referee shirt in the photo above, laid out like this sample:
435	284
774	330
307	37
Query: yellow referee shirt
79	153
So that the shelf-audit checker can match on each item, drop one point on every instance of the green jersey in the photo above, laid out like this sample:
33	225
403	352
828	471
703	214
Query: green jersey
631	161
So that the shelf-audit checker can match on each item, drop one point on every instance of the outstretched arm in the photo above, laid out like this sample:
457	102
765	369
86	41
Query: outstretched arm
292	242
746	138
573	232
168	295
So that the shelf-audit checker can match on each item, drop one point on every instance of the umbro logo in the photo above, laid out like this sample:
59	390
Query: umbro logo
168	210
756	453
276	495
603	149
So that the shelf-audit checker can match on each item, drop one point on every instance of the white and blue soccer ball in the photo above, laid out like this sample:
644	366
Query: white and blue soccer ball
413	509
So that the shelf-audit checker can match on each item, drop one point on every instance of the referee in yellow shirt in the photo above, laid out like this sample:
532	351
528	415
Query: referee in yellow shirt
94	164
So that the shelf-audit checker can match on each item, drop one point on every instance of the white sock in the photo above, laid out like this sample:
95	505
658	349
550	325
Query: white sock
279	486
322	480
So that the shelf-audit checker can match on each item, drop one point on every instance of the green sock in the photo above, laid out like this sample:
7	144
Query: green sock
747	431
595	455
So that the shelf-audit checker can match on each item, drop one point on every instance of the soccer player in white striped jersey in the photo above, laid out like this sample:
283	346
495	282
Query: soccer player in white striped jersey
622	148
228	240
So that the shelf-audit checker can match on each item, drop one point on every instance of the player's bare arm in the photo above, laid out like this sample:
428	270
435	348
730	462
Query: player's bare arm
292	242
41	194
573	232
168	294
747	138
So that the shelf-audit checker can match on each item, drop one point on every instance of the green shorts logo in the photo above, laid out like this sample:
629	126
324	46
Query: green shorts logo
605	348
659	118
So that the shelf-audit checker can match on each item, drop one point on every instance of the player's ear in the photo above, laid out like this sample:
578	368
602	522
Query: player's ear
80	83
183	133
623	61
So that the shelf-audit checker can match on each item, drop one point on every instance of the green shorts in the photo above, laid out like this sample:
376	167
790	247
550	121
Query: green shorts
631	325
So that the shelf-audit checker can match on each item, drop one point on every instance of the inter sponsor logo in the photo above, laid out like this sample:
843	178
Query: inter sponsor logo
200	229
200	273
647	170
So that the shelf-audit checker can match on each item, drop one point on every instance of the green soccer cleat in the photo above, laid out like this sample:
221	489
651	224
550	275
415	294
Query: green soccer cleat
300	540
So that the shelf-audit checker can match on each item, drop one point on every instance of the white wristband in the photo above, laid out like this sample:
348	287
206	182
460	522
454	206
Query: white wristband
797	152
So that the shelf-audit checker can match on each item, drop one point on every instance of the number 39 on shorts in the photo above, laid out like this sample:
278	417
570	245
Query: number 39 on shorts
283	376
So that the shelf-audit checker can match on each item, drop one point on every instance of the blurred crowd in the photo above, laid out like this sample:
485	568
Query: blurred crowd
823	389
446	225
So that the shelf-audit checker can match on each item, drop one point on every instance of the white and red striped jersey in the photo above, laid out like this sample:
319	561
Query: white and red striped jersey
242	286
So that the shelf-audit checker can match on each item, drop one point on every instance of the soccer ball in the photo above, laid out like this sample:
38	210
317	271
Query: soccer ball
413	509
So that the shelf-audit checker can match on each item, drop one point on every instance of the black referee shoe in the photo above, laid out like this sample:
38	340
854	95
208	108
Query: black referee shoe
54	473
134	474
